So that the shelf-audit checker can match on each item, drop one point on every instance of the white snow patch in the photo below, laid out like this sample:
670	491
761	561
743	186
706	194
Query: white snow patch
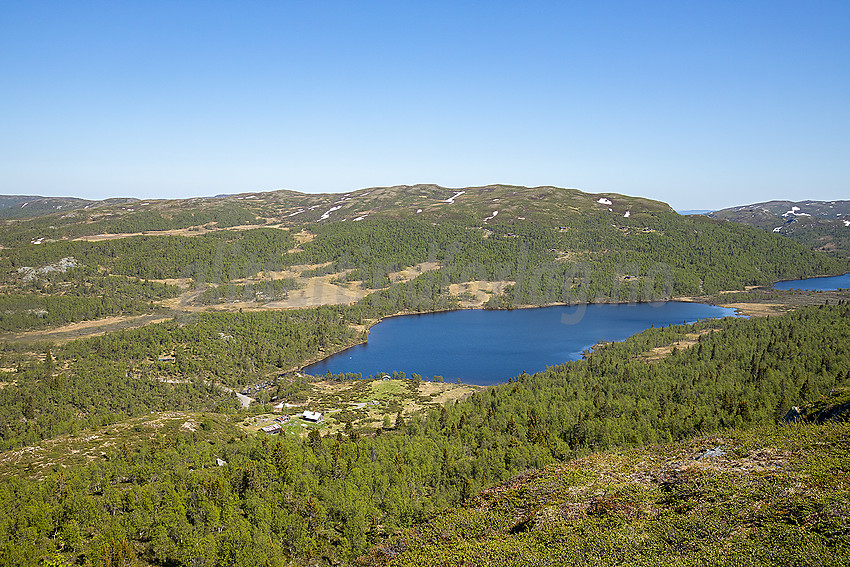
328	213
604	201
846	223
521	218
451	200
491	216
24	205
360	218
628	214
777	229
298	212
418	210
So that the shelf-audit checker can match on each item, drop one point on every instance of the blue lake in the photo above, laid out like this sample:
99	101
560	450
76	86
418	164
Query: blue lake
488	347
828	283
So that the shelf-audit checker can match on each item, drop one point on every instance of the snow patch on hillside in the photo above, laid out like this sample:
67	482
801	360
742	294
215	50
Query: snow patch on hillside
328	213
604	201
451	200
491	216
628	214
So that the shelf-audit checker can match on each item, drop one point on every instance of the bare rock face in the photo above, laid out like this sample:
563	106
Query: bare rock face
834	407
793	415
716	452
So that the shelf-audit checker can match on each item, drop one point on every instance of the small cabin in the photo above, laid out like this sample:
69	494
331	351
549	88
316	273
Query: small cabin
314	416
273	428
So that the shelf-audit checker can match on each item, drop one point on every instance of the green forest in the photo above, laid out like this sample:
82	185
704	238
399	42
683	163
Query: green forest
586	259
328	499
212	257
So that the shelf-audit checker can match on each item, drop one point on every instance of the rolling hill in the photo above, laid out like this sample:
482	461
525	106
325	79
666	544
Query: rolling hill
821	225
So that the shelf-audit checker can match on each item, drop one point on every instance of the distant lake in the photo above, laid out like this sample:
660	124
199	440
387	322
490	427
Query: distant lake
829	283
488	347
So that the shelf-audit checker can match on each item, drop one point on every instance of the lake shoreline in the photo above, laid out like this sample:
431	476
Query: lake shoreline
505	346
753	309
372	322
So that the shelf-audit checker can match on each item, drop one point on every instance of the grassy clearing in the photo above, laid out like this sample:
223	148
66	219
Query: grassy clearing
760	301
84	329
661	352
364	403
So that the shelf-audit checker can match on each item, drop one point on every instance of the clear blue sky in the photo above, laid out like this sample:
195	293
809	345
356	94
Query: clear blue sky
702	104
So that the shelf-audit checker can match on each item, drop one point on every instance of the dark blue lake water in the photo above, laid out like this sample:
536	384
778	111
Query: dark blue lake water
488	347
829	283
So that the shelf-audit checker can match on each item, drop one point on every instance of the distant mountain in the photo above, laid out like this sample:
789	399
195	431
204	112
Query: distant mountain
31	206
822	225
495	203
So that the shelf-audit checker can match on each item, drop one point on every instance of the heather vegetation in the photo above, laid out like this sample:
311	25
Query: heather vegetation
761	496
